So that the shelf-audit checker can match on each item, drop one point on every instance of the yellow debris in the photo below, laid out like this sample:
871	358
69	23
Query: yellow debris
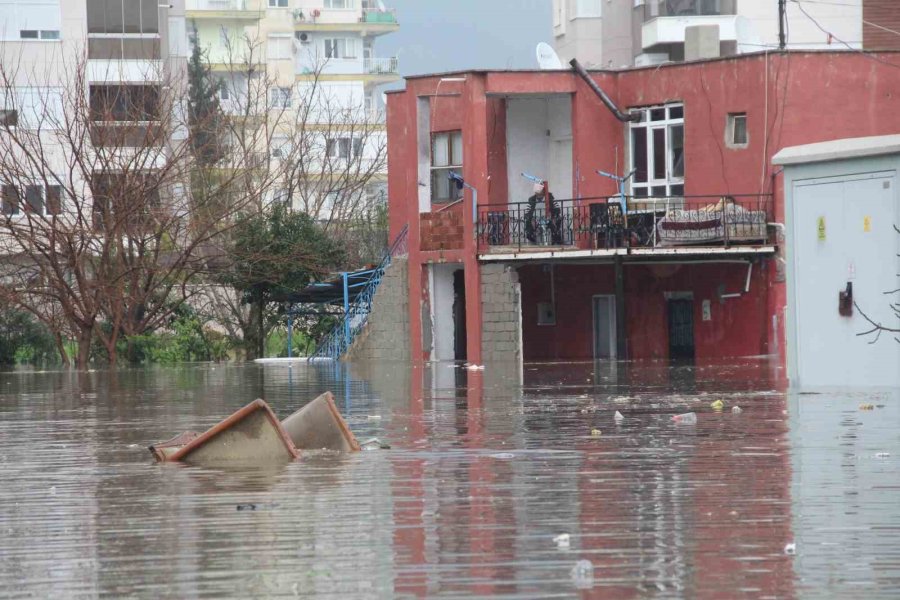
717	405
596	433
866	407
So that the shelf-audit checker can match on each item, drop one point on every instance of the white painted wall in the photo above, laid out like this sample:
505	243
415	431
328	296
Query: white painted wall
442	311
843	19
539	142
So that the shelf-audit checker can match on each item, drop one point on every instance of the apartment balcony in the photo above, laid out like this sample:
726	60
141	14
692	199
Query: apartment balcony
377	15
666	21
224	10
381	66
371	21
688	226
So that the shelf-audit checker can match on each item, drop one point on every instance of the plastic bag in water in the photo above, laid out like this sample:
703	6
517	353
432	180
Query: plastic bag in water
583	574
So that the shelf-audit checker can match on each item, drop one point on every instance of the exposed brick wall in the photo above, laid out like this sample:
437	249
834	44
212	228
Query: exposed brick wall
887	14
441	230
386	335
501	314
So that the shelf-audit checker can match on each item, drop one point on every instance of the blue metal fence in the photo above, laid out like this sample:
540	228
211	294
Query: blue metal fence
356	312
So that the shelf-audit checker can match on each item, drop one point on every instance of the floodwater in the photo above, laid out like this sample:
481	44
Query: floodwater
496	485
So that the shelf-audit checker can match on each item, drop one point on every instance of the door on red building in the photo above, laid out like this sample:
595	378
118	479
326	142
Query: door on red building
604	327
681	328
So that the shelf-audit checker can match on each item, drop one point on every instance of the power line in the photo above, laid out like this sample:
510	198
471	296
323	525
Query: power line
849	47
876	25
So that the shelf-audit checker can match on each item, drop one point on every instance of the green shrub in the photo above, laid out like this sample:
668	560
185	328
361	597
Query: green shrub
24	339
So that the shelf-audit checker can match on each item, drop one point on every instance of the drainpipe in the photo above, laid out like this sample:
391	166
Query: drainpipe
746	285
582	72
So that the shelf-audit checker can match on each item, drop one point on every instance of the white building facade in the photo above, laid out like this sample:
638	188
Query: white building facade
624	33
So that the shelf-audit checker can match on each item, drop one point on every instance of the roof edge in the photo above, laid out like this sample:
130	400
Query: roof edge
840	149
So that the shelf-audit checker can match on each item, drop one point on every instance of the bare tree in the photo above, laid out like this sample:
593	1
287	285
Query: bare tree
878	327
108	213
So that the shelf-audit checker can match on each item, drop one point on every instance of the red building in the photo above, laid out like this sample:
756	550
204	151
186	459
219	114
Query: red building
688	264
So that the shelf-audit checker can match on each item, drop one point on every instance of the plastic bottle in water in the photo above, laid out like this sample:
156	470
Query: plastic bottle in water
686	419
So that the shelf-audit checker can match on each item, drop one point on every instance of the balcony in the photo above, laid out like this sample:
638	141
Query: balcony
377	15
691	225
381	66
666	22
224	10
688	8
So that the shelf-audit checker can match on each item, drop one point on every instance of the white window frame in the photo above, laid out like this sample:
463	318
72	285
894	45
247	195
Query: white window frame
340	48
283	42
673	185
344	147
332	5
21	208
454	163
730	130
279	146
280	97
587	9
278	3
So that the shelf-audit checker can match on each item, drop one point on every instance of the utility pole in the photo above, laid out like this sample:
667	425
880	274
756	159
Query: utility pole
782	18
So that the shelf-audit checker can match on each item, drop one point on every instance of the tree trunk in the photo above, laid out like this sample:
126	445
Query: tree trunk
261	324
61	348
85	336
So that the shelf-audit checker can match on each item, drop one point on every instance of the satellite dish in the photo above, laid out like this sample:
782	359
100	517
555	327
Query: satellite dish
547	58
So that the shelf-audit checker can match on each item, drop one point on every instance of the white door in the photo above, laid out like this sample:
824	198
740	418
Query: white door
844	233
604	327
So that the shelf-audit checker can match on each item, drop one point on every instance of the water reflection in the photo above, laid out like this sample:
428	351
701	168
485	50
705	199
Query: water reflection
486	469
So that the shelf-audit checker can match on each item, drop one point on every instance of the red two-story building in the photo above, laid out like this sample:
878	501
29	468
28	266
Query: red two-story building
524	245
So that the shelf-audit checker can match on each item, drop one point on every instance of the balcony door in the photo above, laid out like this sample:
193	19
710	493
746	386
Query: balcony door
604	308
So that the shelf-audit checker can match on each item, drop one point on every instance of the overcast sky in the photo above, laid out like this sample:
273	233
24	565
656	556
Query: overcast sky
449	35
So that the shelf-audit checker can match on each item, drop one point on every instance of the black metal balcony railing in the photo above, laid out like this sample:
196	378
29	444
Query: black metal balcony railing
600	223
688	8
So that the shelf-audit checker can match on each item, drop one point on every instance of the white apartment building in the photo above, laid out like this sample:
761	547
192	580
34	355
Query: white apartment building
623	33
131	46
321	56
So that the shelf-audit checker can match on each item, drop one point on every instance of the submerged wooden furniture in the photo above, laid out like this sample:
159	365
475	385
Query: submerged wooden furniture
251	435
320	426
163	450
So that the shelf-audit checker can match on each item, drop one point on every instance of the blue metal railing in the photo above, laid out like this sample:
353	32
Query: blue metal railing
356	313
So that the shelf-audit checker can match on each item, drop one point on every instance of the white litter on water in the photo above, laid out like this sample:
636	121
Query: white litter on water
562	540
475	367
619	417
790	549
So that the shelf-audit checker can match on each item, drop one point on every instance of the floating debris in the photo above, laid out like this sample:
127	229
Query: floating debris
619	417
717	405
596	433
866	407
475	367
790	549
562	541
882	455
736	410
320	426
374	444
503	455
686	418
582	574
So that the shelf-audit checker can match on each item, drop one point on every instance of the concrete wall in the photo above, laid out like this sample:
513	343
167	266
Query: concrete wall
386	336
501	338
538	142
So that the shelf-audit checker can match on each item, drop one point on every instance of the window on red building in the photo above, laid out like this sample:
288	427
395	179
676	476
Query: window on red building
446	156
657	152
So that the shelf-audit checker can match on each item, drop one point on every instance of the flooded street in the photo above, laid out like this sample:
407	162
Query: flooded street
496	484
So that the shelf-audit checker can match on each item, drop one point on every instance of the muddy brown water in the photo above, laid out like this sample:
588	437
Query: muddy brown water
486	472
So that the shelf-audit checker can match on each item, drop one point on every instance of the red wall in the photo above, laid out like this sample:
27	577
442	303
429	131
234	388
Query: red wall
790	99
739	326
